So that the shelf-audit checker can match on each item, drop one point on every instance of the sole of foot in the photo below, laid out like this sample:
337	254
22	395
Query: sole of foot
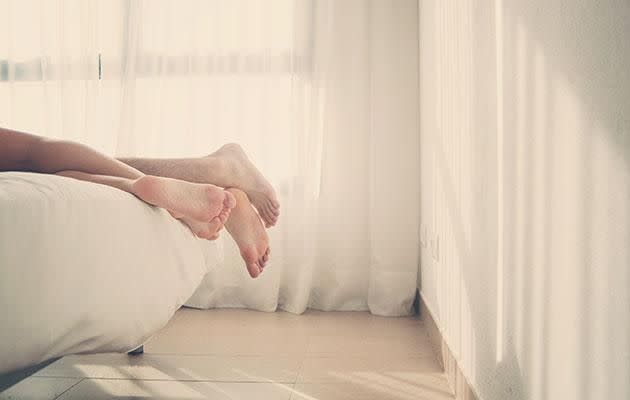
249	234
205	230
200	202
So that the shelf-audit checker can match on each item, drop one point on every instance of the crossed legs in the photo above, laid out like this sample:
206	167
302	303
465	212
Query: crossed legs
229	167
203	207
187	193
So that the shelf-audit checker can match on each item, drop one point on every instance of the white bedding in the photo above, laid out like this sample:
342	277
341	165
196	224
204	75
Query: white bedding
87	268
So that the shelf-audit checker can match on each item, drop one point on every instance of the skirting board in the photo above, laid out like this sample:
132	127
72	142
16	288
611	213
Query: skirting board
456	379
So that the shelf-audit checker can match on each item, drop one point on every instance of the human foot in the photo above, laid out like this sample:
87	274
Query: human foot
200	202
205	230
248	233
247	178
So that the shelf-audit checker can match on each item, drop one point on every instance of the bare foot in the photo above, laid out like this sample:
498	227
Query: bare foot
201	202
248	233
251	181
205	230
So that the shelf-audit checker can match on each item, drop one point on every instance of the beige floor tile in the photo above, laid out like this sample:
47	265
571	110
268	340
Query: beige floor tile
230	332
246	354
174	367
242	332
238	322
96	389
222	322
34	388
328	323
411	345
347	369
352	333
358	323
251	343
367	390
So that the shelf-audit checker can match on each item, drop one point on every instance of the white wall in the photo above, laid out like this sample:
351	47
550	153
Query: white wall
525	178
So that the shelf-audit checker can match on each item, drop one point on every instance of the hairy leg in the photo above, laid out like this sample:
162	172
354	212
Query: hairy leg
200	202
227	167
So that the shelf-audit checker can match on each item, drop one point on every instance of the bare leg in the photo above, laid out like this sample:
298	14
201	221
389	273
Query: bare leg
244	224
196	202
205	230
248	233
183	199
227	167
25	152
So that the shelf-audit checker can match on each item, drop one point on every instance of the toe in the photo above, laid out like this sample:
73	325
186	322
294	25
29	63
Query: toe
215	225
230	200
273	215
275	209
270	219
207	233
265	256
264	215
253	269
223	216
250	255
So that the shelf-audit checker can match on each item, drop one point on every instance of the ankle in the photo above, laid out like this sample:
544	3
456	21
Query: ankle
223	170
145	186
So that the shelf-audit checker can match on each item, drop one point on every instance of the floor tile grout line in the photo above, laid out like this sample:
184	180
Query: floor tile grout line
149	354
299	359
285	355
68	389
267	356
284	382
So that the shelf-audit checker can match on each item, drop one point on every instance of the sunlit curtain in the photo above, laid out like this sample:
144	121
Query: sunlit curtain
321	94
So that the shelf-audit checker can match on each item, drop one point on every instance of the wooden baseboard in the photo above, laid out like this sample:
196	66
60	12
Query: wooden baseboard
456	379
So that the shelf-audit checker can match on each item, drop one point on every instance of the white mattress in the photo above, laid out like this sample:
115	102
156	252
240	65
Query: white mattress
87	268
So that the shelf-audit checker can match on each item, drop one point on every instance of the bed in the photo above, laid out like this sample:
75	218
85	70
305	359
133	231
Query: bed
86	268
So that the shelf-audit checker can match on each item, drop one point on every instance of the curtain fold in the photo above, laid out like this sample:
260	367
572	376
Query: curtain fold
321	94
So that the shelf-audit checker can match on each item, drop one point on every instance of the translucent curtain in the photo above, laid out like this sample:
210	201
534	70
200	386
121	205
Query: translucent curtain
321	94
348	235
49	69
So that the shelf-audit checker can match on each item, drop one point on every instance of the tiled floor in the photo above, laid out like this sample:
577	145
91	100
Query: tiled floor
239	354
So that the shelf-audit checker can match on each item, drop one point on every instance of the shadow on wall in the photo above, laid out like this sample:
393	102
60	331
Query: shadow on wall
534	194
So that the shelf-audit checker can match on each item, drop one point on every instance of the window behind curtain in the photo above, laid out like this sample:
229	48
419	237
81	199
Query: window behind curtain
152	77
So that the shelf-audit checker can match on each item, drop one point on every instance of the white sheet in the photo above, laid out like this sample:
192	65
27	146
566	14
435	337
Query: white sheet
87	268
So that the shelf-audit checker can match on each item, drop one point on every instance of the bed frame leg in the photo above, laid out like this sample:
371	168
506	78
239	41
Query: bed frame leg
135	352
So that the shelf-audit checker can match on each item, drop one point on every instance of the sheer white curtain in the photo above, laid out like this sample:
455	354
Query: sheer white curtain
321	94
